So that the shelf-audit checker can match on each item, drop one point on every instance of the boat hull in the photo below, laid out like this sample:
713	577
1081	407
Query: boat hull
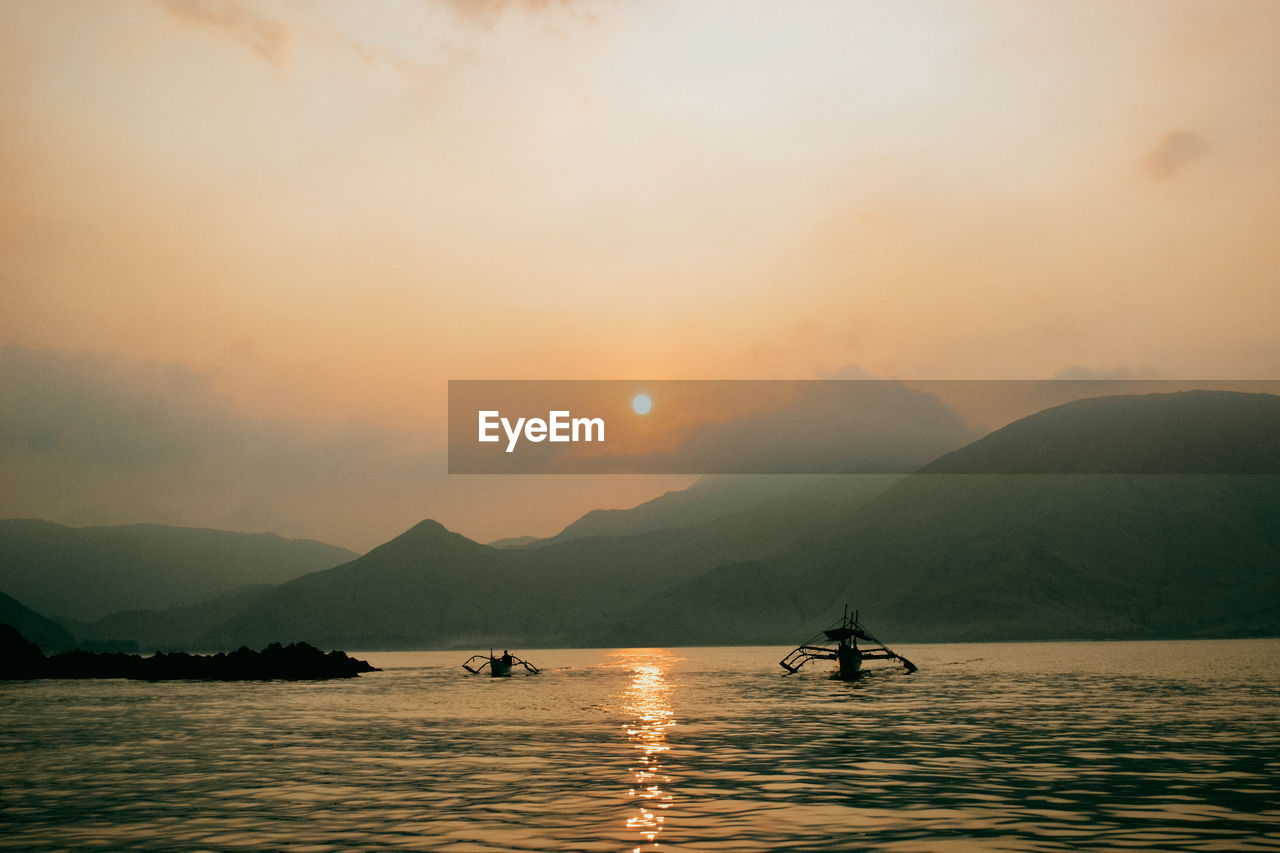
848	663
498	669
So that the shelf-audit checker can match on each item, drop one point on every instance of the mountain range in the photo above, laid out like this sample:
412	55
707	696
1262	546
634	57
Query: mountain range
85	573
38	629
1179	549
1153	516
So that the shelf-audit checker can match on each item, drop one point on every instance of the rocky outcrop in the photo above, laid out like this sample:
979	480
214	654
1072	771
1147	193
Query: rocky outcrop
296	661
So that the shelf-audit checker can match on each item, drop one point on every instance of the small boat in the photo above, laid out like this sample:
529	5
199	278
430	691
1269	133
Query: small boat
840	644
499	665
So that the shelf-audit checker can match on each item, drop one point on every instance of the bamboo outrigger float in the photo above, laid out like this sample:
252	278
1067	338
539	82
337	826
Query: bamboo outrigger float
840	644
499	665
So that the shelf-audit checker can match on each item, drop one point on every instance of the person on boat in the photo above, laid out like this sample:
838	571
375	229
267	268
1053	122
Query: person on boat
506	657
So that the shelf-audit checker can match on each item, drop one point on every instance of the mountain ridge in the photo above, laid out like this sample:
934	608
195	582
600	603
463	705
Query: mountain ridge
935	556
35	627
86	573
1184	432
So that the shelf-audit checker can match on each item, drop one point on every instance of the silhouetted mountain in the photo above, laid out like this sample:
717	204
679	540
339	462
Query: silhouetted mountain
427	582
431	587
19	658
514	541
749	602
706	500
87	572
933	556
1030	556
171	629
1192	432
44	632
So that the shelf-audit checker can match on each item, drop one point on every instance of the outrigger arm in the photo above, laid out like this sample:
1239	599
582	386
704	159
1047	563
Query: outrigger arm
486	660
841	632
526	665
476	669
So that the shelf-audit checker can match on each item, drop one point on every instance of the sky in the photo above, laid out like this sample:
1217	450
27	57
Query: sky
244	246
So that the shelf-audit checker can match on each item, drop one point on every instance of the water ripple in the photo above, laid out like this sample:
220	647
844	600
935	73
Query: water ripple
1044	747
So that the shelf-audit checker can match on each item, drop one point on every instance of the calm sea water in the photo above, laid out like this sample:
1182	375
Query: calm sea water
1050	746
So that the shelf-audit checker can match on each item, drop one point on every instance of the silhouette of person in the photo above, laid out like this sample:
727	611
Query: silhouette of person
506	657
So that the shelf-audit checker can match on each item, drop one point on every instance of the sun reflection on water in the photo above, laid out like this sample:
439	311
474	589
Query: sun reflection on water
647	700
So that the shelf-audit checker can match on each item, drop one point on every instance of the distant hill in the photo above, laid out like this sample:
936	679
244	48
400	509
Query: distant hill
515	541
937	556
1031	556
709	498
45	633
86	573
432	587
427	582
1005	557
1072	556
170	629
1191	432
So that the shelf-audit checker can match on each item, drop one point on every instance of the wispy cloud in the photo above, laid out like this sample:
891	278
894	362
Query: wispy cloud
267	37
87	439
1175	150
90	438
270	38
487	12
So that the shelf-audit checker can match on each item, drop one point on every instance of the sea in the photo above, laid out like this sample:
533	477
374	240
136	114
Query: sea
1010	746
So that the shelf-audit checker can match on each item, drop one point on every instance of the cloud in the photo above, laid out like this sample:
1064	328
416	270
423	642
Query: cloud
270	38
85	439
265	36
1175	149
486	13
94	439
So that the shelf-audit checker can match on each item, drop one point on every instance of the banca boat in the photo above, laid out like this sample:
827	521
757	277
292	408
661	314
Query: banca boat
499	665
840	644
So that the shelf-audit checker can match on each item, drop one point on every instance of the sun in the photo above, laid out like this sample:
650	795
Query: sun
641	404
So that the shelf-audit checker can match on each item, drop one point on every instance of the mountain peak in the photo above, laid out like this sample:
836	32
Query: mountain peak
430	533
428	526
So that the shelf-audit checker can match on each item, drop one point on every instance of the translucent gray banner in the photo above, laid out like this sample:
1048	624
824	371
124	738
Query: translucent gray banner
864	426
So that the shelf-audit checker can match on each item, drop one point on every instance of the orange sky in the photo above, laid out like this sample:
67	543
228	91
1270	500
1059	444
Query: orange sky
323	211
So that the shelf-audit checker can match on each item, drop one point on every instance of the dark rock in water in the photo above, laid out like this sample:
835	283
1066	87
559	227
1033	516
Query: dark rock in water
19	658
297	661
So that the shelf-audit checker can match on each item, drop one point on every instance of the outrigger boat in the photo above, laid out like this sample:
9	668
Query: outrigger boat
499	666
840	644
